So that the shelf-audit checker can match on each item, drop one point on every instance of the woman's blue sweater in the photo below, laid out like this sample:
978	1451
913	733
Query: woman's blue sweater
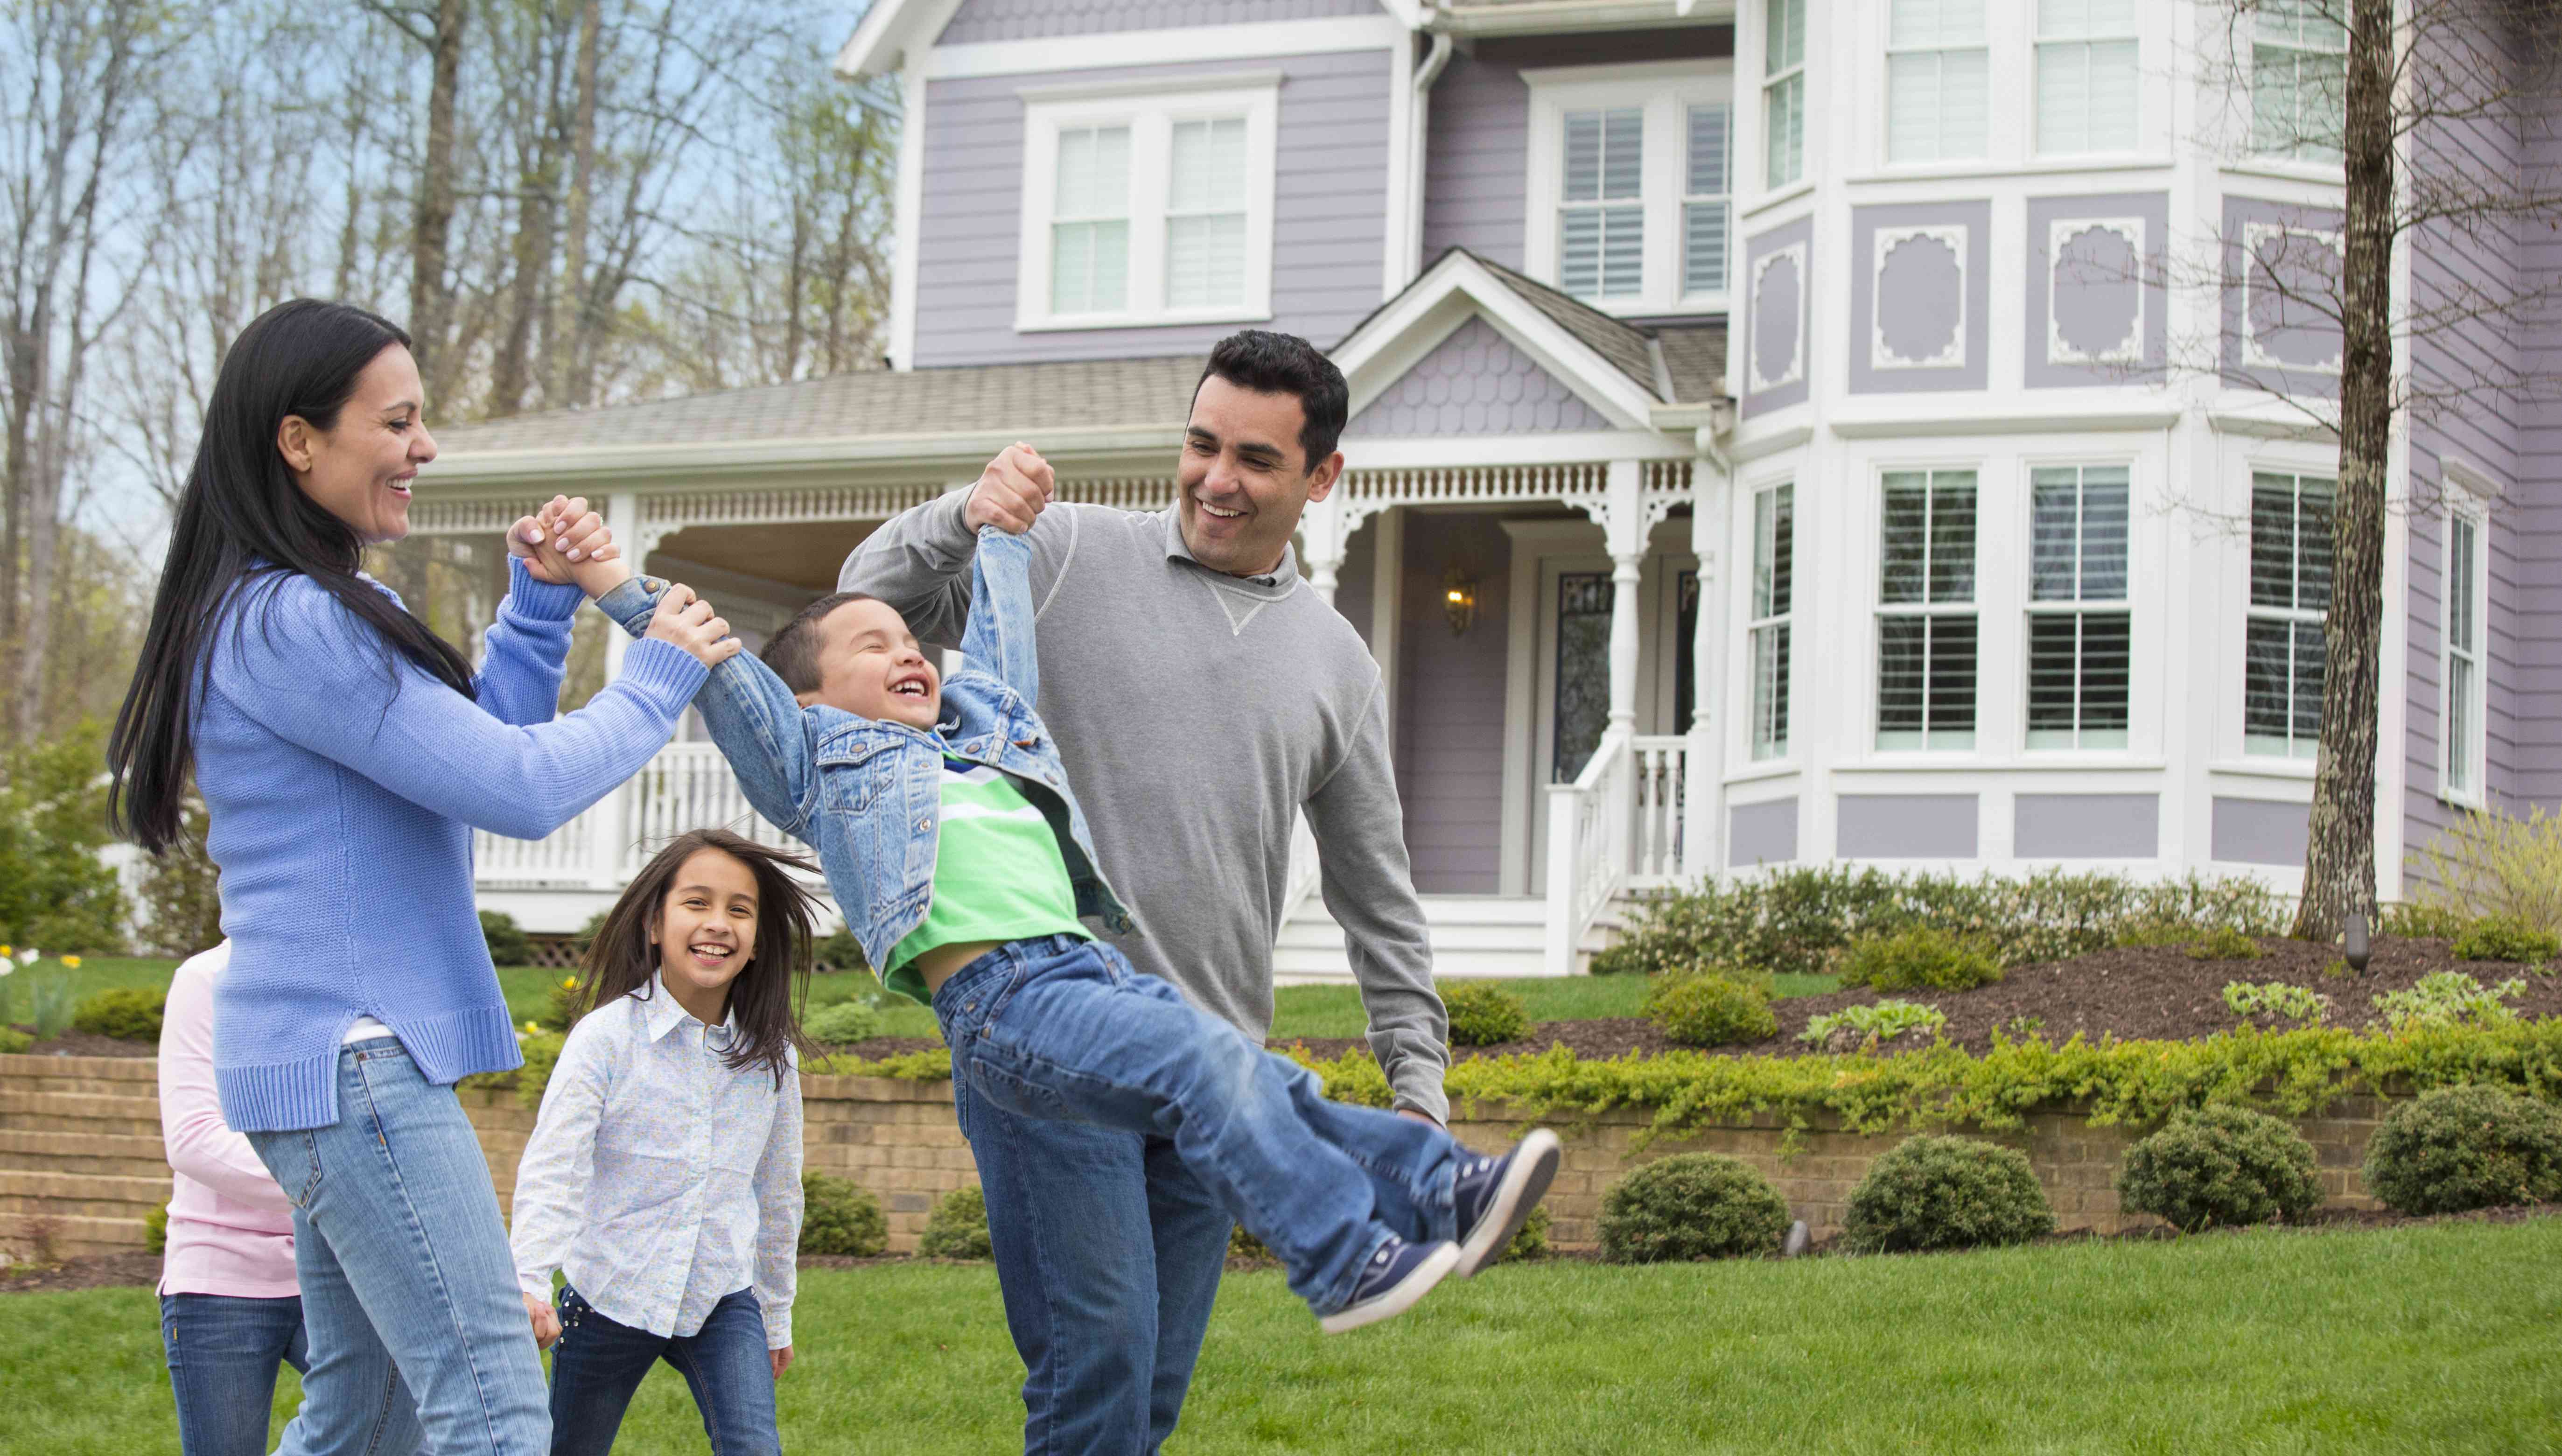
344	794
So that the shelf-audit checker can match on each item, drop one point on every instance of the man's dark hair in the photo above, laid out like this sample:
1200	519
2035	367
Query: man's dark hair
793	653
1279	363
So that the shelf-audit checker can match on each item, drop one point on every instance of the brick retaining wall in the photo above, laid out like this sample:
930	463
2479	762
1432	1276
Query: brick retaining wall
80	1148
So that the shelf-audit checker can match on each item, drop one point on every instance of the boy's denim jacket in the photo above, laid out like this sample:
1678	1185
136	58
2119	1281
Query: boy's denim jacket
867	794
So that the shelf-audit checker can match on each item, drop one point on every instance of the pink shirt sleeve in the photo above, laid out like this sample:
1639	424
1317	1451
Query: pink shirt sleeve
201	1145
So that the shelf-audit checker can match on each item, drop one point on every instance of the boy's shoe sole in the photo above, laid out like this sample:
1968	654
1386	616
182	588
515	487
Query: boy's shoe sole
1403	1296
1533	1168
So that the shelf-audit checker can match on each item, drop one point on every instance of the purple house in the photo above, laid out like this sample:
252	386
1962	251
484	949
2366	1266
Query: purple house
1783	431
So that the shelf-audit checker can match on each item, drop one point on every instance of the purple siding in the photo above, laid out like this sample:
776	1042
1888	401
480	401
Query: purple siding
1330	199
1024	20
1475	383
1449	717
2534	613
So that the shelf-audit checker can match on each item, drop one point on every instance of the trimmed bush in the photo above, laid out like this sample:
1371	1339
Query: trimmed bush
842	1024
1919	958
1484	1014
155	1229
957	1227
2224	943
841	1216
14	1041
1692	1205
2463	1148
126	1013
508	943
1531	1242
2220	1166
2499	938
1943	1192
1709	1010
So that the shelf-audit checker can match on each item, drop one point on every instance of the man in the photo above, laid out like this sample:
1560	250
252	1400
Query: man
1202	698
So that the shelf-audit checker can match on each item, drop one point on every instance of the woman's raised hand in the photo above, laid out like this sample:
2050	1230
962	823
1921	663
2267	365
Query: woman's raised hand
687	620
565	543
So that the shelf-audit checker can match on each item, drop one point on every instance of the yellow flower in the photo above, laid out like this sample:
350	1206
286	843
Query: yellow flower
7	951
72	962
533	1026
569	982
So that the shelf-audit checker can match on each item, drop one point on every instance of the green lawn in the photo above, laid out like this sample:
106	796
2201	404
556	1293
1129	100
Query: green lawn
2436	1340
1299	1010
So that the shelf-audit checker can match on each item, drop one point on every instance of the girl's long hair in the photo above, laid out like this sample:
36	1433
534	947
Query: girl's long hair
771	990
243	524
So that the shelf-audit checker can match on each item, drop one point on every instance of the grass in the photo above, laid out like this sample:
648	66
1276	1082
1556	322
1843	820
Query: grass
1298	1011
2423	1339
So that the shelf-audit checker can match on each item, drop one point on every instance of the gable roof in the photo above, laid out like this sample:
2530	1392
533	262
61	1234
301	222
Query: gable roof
891	28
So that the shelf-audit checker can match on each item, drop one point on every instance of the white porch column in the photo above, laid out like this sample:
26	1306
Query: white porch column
1704	763
613	814
623	519
1625	528
1321	538
1387	599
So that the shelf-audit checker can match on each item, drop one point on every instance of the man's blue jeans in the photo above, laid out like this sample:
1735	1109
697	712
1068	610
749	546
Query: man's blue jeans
404	1261
1062	1031
224	1352
596	1363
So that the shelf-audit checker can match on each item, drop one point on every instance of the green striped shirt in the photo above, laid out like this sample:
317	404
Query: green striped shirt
998	874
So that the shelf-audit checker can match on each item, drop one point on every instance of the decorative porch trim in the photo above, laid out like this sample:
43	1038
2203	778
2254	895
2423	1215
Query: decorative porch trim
663	514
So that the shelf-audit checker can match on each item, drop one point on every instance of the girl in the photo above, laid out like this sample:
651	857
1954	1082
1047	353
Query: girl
345	754
664	1175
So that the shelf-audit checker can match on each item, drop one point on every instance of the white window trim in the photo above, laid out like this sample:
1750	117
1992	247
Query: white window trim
2295	751
2025	523
1663	92
1993	59
1879	610
2039	41
2248	67
1149	113
1760	130
1756	623
2477	749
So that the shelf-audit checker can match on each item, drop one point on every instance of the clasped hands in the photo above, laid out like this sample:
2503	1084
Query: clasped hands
567	544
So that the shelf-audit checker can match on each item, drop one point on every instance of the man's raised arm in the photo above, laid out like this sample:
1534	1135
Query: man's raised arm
919	560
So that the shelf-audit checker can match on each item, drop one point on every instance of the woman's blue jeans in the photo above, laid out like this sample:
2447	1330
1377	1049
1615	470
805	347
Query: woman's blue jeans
596	1363
1065	1030
403	1260
224	1353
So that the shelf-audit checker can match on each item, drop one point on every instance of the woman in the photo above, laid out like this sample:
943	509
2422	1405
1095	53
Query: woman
231	1312
345	754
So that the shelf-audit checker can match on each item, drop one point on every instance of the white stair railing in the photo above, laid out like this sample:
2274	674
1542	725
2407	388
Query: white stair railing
1661	799
1304	877
688	785
1588	841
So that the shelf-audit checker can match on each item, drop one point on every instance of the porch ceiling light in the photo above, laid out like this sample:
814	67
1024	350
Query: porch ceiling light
1459	598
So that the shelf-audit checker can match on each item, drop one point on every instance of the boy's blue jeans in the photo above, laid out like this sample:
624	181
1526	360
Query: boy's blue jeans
596	1363
1064	1031
404	1262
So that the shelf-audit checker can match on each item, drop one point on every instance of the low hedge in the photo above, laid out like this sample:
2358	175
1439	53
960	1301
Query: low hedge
957	1227
1941	1192
125	1012
2220	1166
841	1216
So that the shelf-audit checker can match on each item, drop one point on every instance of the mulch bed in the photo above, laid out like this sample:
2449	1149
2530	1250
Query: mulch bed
2146	993
90	1043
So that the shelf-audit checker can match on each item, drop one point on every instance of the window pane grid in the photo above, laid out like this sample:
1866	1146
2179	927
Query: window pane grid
1773	589
2464	708
1705	200
1601	220
1784	92
1090	222
2079	661
1937	104
2283	650
1205	214
1927	631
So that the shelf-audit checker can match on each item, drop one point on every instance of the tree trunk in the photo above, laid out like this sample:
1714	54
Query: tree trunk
577	382
430	298
2339	860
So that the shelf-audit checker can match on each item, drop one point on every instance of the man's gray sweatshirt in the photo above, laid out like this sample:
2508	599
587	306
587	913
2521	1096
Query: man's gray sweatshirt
1198	714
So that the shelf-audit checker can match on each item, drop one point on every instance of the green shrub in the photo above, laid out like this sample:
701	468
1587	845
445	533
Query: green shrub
1244	1245
182	903
155	1229
1484	1014
126	1012
508	943
1530	1240
841	1216
2463	1147
1795	919
2499	938
54	890
2450	998
2278	999
1693	1206
1852	1028
14	1041
842	1024
563	999
2220	1166
1709	1010
2412	921
2224	943
542	1053
2497	864
957	1227
1627	958
1919	958
1942	1192
839	952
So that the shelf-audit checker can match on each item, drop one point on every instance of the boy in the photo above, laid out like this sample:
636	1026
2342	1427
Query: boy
962	863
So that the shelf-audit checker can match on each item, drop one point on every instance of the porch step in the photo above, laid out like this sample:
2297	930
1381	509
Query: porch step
1496	936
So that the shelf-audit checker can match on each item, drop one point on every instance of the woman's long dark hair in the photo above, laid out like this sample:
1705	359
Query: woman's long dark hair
242	518
771	990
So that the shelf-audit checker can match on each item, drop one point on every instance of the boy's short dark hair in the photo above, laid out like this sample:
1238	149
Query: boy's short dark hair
793	653
1278	363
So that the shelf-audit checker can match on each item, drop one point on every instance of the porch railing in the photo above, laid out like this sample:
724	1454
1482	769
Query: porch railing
1661	798
688	785
1589	823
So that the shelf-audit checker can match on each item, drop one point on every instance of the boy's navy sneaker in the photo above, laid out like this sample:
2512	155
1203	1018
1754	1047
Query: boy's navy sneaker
1397	1276
1494	1196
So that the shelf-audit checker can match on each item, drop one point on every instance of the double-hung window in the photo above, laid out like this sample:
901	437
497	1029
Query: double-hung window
2283	650
1631	186
2463	715
2080	631
2298	82
1925	614
2087	97
1783	92
1774	549
1147	208
1938	81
